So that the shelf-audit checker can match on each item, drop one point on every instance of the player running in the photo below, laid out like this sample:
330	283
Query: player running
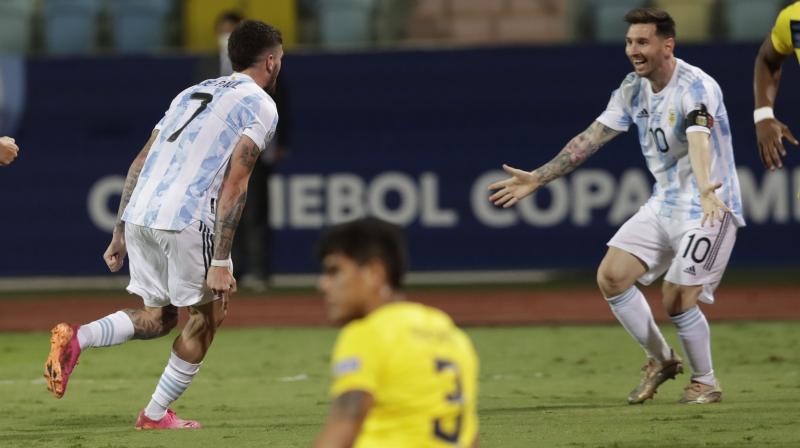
404	374
688	226
782	42
179	210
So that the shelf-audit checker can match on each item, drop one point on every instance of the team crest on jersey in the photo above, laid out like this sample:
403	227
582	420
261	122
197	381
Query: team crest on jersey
345	366
672	117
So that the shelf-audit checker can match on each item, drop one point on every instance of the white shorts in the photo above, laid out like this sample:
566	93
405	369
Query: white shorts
170	267
689	254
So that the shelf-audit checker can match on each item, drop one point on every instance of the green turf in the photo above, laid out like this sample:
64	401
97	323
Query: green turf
540	387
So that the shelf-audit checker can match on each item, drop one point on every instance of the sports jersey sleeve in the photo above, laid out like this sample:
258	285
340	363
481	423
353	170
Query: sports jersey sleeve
781	35
356	360
699	104
262	124
616	115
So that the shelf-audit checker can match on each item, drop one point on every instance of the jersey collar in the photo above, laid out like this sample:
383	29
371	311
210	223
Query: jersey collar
240	75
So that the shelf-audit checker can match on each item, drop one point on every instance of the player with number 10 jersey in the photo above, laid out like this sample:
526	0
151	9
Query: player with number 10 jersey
685	136
662	121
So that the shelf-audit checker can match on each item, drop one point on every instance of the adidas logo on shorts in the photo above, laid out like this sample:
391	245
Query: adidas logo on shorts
690	270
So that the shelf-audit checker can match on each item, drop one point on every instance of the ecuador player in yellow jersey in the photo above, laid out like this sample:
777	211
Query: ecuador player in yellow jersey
403	374
780	44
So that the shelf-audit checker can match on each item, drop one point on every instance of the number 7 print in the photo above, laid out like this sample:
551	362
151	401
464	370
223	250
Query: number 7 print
205	98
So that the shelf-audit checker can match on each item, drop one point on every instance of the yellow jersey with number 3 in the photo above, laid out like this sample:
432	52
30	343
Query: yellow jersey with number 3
421	370
786	32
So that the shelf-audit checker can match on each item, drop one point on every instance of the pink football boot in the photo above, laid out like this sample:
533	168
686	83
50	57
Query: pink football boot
64	353
170	421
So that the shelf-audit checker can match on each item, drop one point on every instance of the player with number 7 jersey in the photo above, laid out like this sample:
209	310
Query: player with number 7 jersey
182	175
181	204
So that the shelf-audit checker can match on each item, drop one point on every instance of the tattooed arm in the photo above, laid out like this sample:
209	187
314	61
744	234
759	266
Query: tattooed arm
344	422
522	183
232	197
114	255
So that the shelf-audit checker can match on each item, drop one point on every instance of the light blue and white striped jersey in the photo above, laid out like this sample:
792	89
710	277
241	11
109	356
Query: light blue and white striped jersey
183	172
661	121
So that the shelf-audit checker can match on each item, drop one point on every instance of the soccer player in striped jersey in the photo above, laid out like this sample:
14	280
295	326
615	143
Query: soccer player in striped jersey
180	207
688	226
783	41
404	374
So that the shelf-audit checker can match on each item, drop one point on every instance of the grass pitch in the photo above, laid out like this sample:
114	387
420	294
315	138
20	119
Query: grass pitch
540	387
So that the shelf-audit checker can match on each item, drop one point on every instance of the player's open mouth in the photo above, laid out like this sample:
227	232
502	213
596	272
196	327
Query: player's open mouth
639	62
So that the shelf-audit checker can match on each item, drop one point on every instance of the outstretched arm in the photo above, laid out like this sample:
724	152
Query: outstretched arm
522	183
769	131
232	197
700	159
344	422
114	255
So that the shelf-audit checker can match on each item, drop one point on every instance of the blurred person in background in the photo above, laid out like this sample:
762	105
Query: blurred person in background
8	150
252	249
403	374
686	140
783	41
224	26
181	204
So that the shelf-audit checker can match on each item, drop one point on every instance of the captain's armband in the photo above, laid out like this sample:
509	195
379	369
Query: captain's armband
699	117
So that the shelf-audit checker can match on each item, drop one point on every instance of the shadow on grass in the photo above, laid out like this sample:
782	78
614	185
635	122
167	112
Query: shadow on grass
544	408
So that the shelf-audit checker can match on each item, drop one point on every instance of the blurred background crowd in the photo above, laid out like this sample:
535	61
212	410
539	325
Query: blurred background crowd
157	26
401	109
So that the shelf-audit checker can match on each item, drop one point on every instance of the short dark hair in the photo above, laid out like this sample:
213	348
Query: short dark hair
249	40
665	26
365	240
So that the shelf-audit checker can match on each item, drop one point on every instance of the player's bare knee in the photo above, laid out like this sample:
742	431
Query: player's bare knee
611	282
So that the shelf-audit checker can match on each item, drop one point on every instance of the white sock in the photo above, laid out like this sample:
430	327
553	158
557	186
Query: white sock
176	378
113	329
695	338
633	312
